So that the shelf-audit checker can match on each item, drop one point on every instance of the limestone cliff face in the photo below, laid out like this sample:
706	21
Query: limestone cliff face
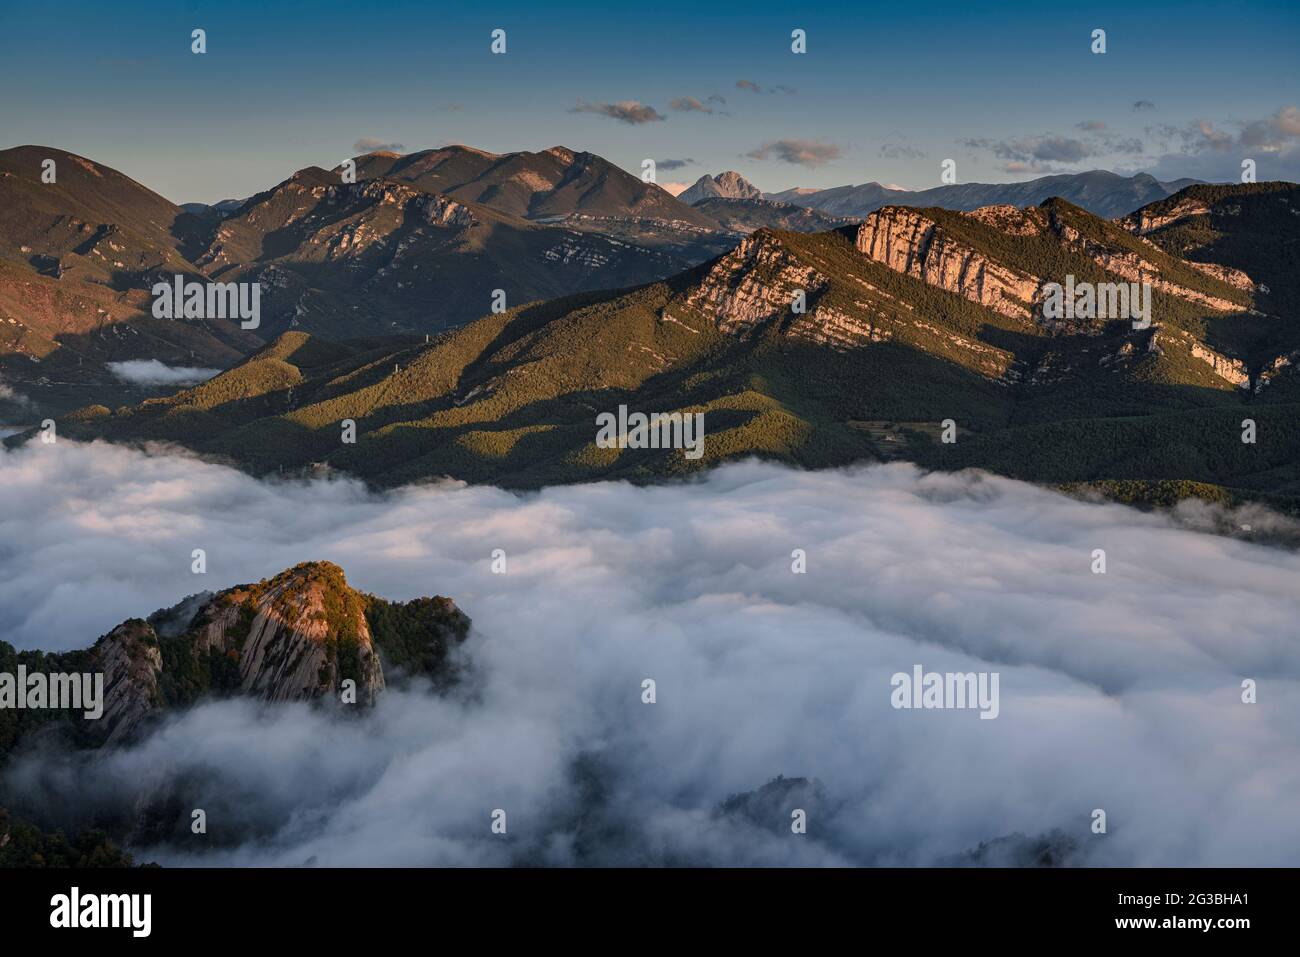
441	211
131	661
1132	267
1143	223
1225	367
756	281
296	637
1233	370
1233	277
1280	365
431	208
370	224
836	328
754	285
908	241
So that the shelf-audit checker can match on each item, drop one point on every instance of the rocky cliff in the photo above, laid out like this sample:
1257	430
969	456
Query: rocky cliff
303	635
131	660
917	243
1133	267
908	241
756	281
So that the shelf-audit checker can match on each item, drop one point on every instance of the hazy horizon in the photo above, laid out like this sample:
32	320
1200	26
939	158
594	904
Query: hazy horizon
634	172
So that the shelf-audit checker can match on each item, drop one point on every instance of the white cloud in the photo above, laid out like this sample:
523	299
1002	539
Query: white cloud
8	394
153	372
1118	691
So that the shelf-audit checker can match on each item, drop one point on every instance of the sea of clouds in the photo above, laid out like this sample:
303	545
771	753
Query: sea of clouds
1119	691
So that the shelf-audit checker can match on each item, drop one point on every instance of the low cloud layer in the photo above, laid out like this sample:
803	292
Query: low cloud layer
1118	691
153	372
9	395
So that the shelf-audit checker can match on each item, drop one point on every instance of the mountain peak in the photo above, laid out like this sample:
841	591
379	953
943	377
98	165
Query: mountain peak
727	185
302	635
562	153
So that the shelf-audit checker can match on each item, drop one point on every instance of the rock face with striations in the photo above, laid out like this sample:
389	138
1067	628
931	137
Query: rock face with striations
908	241
758	281
131	661
918	244
754	282
296	637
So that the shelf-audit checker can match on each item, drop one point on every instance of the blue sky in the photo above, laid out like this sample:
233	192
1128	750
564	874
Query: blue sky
885	91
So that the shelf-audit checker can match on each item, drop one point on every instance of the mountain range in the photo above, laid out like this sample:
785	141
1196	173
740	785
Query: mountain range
417	245
1102	193
385	254
912	318
1105	194
376	309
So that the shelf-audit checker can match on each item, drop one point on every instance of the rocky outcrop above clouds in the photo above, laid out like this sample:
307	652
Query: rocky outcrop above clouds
304	635
130	658
298	637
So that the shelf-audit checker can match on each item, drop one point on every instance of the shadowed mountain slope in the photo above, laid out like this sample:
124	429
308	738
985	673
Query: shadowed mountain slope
816	349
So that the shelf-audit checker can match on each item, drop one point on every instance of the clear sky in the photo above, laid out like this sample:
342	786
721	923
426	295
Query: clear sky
885	92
